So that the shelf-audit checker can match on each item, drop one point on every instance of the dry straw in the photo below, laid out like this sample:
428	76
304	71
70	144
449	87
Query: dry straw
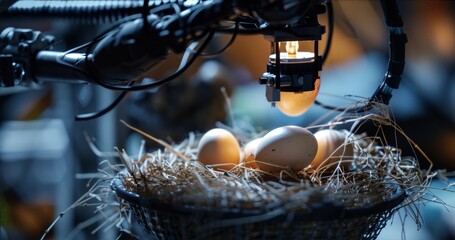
175	196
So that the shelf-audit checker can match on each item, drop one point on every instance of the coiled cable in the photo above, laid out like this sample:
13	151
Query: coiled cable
87	11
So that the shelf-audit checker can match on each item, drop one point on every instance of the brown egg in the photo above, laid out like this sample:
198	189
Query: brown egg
332	148
249	152
295	104
286	147
219	146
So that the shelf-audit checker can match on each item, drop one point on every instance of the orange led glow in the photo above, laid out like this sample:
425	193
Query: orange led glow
295	104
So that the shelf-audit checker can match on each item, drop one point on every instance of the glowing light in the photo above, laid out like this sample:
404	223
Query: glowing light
292	48
295	104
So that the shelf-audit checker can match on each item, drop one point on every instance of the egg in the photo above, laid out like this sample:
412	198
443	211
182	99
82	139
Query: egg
286	147
219	146
295	104
332	148
249	153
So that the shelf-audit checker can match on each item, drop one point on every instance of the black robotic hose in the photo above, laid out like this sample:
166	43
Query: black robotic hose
85	11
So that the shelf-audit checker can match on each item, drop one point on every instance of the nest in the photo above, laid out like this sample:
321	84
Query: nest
176	197
173	196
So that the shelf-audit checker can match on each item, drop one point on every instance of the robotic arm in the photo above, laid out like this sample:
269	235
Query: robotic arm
123	54
139	41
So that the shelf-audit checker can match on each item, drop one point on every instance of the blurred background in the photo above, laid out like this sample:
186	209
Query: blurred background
42	147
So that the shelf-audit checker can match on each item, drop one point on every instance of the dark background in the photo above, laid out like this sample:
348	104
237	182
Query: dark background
38	176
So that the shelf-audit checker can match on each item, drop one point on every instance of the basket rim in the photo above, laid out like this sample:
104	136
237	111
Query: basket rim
318	211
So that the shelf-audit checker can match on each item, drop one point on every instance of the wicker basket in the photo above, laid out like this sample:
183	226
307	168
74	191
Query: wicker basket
326	220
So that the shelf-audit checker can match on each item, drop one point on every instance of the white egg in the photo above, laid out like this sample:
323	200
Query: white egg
219	146
332	148
286	147
249	153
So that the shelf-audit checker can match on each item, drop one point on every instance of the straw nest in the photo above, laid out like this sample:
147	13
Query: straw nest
173	175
